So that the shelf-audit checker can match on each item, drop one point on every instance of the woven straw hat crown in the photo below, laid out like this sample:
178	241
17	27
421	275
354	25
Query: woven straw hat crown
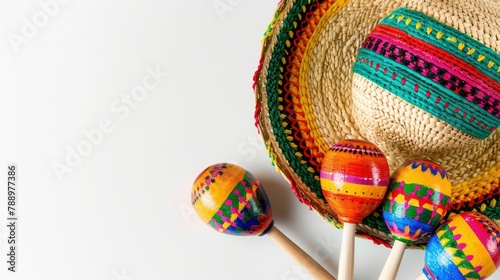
420	79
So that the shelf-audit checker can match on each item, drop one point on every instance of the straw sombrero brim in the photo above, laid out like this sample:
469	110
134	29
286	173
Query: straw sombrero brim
304	105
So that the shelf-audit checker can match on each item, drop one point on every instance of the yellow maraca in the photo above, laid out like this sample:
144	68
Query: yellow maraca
466	246
231	200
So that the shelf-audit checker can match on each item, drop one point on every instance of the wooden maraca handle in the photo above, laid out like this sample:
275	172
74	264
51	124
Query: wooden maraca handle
393	262
308	263
346	262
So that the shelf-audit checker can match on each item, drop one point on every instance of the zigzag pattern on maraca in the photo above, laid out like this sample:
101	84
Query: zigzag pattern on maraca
465	247
241	209
417	200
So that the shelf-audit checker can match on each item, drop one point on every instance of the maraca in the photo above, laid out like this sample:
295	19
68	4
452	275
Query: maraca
231	200
417	199
354	177
466	246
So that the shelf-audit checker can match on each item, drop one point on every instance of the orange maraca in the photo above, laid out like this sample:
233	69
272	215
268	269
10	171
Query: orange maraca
354	179
231	200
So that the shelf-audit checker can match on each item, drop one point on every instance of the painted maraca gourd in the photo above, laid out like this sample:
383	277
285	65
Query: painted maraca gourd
231	200
417	200
354	177
466	246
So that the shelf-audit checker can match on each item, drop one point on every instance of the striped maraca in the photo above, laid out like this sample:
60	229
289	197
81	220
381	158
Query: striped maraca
466	246
417	199
231	200
354	178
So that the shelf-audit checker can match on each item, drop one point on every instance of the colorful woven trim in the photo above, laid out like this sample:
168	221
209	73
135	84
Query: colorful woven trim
287	118
436	68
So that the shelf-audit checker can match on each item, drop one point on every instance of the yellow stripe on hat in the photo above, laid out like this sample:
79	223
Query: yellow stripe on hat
483	184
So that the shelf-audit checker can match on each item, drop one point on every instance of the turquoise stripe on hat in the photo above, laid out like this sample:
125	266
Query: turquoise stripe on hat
403	86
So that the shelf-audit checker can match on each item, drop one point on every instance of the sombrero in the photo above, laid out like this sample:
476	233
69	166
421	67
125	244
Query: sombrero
420	79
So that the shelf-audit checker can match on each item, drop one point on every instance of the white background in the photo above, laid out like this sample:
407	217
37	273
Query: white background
120	210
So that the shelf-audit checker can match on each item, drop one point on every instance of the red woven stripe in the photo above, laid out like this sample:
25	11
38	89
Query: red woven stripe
433	53
257	72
